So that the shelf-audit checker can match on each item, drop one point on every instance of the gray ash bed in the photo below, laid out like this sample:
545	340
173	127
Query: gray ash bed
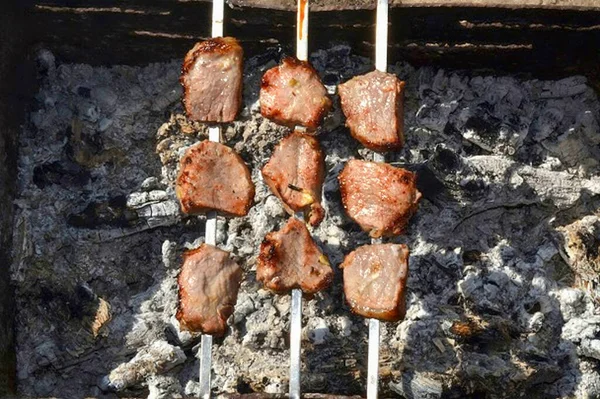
502	129
503	265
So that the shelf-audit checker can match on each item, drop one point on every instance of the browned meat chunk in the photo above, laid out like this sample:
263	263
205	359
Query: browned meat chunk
213	176
208	287
289	258
373	107
292	94
375	281
295	174
378	196
212	80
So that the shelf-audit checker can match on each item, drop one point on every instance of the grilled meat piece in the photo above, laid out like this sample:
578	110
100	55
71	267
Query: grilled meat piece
289	258
213	176
295	173
208	287
373	105
378	196
292	94
212	80
375	281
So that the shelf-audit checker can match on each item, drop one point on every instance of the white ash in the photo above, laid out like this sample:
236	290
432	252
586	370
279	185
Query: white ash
317	331
157	358
164	387
508	168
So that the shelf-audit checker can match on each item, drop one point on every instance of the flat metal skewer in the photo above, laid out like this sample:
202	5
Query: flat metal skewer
302	30
381	35
381	42
210	235
205	365
207	339
373	362
296	311
295	337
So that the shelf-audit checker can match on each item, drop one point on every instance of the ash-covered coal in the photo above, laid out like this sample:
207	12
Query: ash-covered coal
504	246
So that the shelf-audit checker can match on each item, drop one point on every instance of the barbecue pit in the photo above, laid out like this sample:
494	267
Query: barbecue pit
501	127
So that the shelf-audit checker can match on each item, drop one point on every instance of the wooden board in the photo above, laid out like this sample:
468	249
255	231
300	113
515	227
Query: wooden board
328	5
325	5
546	43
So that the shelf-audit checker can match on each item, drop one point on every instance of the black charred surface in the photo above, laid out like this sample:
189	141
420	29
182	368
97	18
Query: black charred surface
428	183
446	161
66	174
471	256
113	212
16	85
78	302
484	125
591	242
282	396
84	92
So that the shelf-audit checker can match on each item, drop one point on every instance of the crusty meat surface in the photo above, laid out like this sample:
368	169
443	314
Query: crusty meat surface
373	105
212	80
213	177
292	94
375	281
208	287
295	173
378	196
289	258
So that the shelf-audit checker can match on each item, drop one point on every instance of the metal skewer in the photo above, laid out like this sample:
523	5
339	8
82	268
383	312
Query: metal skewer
295	336
381	35
296	312
373	362
210	235
381	41
302	30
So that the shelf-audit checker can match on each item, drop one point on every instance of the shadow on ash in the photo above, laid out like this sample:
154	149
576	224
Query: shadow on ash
504	260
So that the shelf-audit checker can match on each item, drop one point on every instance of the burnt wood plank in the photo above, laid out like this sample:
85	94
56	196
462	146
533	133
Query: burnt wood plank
545	43
327	5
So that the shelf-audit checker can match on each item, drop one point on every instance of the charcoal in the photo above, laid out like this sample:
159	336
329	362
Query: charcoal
502	289
113	212
84	92
66	174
